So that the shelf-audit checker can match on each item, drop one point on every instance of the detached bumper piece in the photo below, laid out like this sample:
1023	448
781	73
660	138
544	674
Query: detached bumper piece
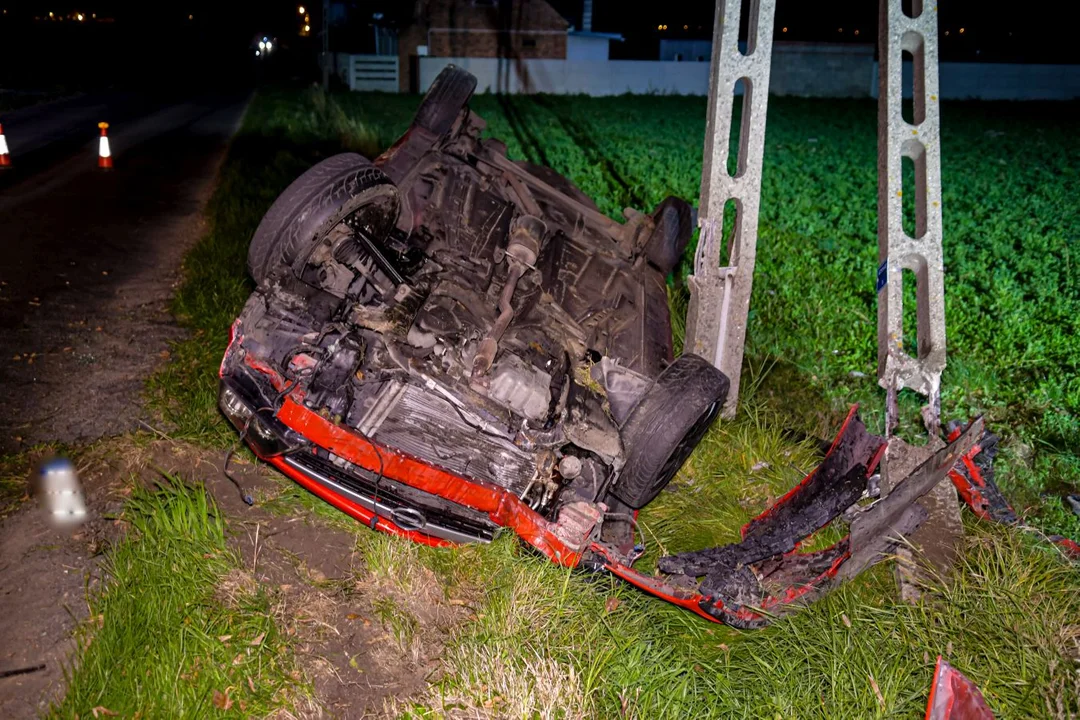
974	481
748	584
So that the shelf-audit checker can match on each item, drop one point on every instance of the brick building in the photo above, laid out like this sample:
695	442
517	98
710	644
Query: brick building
480	28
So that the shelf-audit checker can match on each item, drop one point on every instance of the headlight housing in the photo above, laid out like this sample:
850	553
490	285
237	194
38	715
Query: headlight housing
260	430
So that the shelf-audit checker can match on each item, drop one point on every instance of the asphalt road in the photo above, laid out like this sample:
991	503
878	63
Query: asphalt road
88	258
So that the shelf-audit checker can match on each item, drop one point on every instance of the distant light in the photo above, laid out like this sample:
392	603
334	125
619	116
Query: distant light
307	28
377	16
665	27
301	9
856	31
51	15
269	47
190	17
685	27
257	53
659	27
93	15
262	45
307	18
839	30
961	31
80	17
947	32
784	30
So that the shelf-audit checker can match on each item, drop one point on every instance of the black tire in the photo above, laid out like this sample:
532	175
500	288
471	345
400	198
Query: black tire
674	220
313	204
557	181
666	425
445	100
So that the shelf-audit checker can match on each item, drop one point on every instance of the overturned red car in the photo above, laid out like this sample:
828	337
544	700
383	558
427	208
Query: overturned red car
445	342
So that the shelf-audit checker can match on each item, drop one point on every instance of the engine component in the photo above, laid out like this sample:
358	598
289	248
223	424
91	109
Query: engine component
520	387
526	237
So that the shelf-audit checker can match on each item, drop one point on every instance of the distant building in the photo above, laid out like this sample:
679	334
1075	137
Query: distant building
584	44
480	28
685	50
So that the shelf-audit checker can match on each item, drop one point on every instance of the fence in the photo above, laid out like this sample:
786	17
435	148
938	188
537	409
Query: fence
799	69
368	72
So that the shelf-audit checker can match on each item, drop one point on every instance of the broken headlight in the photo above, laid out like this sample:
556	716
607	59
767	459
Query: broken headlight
256	428
236	410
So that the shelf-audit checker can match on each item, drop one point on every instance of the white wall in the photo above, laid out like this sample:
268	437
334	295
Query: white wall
797	69
1000	81
589	77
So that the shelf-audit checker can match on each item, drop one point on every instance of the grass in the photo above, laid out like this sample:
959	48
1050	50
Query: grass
547	643
169	635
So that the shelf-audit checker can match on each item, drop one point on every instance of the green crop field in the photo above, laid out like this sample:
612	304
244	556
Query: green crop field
547	643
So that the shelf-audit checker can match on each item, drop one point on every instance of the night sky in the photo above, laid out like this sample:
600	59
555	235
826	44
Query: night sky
152	42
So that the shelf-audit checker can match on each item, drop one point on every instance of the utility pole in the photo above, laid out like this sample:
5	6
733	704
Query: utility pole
921	253
720	286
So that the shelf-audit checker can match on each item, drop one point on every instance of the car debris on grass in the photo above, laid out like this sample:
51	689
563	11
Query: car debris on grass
444	342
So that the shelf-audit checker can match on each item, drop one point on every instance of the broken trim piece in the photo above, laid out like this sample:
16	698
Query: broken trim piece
745	569
973	478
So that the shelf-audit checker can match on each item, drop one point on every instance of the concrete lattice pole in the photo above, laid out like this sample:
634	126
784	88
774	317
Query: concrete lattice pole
920	252
918	140
721	284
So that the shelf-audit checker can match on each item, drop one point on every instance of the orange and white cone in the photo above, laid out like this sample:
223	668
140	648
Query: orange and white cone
104	161
5	157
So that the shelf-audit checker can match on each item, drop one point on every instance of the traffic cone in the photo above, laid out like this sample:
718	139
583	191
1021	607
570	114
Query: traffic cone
104	161
5	158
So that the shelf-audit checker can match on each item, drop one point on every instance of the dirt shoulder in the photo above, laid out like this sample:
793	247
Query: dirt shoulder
363	641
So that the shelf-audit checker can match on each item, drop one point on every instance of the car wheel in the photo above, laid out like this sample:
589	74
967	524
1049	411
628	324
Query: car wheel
339	187
674	226
666	425
445	100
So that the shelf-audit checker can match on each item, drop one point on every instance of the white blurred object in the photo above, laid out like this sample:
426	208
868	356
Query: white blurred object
61	494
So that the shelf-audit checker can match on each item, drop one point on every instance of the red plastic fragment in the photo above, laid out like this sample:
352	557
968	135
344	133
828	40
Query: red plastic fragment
954	697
